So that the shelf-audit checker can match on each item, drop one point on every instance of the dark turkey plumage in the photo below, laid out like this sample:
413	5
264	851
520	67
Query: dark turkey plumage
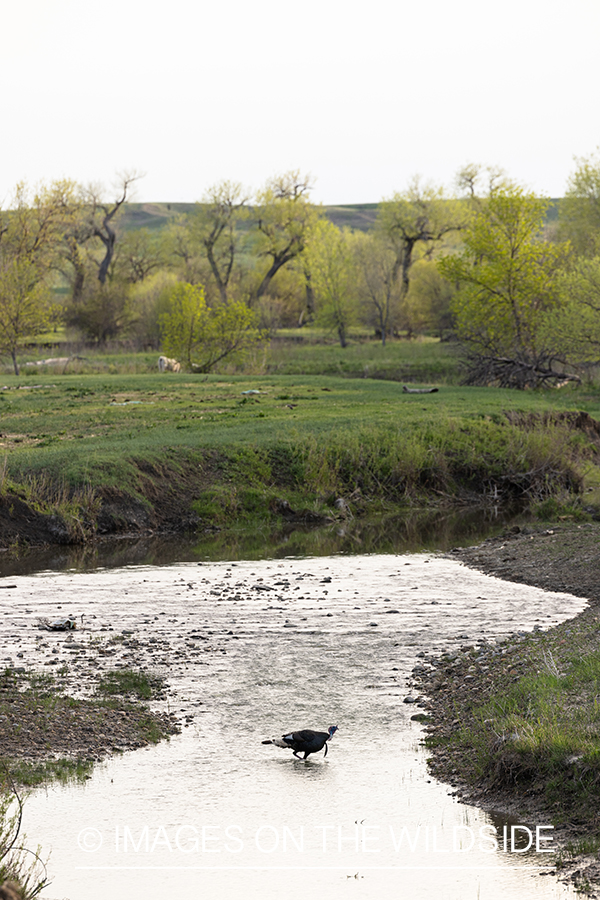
306	741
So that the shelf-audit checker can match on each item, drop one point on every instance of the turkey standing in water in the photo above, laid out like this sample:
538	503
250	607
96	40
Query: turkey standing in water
306	741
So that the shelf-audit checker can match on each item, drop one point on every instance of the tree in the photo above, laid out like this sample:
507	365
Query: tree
579	211
203	337
284	220
333	278
427	306
421	216
151	300
100	217
214	225
182	252
573	328
100	304
31	235
506	277
377	285
138	255
24	306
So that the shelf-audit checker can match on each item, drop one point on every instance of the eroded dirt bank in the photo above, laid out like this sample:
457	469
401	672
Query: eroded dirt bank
564	557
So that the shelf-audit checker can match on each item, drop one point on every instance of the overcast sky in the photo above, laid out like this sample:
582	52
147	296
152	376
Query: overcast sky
362	95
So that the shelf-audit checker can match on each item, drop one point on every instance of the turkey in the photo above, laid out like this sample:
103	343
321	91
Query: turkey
306	741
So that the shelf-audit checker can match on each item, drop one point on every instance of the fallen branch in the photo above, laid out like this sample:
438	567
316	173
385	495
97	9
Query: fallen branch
407	390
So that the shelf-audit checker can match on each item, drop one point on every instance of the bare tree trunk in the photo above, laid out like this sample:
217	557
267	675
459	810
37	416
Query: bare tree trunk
222	285
310	294
108	238
13	354
278	262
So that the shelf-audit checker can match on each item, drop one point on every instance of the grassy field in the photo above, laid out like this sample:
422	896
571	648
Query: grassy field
315	422
86	417
426	359
238	443
293	351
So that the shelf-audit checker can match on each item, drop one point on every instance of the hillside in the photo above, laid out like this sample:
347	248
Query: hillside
359	216
155	216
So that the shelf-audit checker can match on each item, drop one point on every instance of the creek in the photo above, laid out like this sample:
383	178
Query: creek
251	650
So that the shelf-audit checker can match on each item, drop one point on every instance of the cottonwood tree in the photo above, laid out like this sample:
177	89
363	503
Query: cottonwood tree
182	253
202	336
420	217
573	328
100	303
377	284
284	219
31	235
214	225
579	210
25	309
506	278
330	260
100	216
429	300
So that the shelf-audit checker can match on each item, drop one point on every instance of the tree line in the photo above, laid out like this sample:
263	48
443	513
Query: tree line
481	264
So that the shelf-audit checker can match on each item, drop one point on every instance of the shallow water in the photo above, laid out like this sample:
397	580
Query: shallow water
214	812
399	532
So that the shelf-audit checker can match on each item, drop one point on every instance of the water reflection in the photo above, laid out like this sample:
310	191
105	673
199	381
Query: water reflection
413	531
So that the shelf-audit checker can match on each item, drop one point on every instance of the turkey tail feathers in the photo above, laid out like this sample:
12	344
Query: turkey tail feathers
278	742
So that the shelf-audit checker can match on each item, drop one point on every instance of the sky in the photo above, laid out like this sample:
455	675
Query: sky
360	95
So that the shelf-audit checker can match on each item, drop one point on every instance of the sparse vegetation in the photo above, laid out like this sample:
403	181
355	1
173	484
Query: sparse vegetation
140	685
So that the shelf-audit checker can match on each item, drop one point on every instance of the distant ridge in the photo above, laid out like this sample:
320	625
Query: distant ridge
359	216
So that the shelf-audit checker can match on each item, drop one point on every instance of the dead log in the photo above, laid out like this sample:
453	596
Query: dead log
407	390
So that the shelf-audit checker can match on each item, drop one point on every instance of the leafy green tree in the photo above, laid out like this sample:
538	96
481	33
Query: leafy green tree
427	306
377	284
506	276
579	211
420	217
25	309
104	311
202	336
284	219
138	255
573	327
31	237
150	299
183	255
333	277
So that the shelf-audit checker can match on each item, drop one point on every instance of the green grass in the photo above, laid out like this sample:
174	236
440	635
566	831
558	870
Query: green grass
88	415
310	351
330	423
64	770
130	683
539	731
64	438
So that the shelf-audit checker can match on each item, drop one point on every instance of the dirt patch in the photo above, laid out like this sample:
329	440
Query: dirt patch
47	733
39	727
